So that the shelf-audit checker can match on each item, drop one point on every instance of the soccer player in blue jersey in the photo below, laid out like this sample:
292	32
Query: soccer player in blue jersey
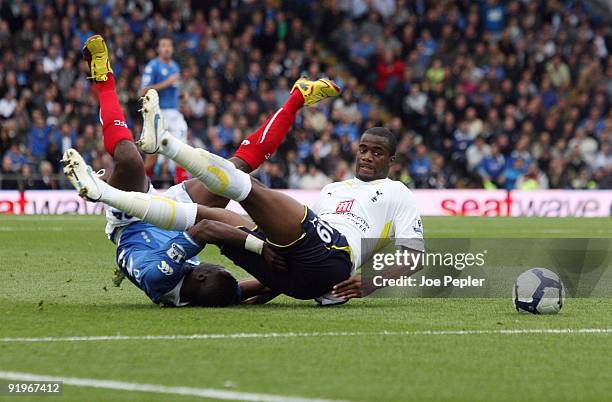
161	261
163	74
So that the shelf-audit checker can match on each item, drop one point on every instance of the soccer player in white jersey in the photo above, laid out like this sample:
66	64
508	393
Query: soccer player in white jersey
370	207
312	241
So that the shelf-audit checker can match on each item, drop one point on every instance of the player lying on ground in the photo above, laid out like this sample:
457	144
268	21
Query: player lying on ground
157	260
320	253
324	245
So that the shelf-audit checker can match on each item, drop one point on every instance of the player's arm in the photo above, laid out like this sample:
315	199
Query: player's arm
409	240
208	231
354	287
253	292
161	85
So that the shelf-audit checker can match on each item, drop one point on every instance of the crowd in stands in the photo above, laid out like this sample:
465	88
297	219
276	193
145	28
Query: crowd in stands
493	94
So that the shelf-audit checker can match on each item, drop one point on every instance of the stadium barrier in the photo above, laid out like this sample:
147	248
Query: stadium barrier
548	203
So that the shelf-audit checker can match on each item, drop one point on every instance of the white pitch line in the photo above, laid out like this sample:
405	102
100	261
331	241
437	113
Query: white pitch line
252	335
158	389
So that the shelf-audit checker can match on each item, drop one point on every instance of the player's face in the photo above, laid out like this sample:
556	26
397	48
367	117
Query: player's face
165	49
373	158
209	285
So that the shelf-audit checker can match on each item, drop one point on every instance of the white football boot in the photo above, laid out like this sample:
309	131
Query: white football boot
81	176
153	126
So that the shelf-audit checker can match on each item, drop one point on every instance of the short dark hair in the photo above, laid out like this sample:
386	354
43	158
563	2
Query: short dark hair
163	37
219	289
385	133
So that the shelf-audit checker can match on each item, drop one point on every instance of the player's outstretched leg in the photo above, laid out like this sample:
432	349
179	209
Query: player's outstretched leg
218	174
128	173
260	145
264	142
154	209
159	211
221	176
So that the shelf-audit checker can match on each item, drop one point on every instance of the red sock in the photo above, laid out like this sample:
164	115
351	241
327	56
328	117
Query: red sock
114	127
180	174
260	145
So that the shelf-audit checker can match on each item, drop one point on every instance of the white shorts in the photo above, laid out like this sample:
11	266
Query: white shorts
175	123
178	193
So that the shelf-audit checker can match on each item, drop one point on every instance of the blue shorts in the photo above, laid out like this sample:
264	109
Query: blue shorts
156	260
316	262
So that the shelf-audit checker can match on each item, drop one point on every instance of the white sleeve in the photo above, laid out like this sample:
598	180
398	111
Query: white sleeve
316	207
407	222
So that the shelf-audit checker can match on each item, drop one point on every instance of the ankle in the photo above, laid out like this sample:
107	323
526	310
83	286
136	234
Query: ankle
295	102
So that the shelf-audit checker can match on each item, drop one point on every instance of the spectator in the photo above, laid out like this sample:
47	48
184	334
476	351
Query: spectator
8	177
388	70
476	152
420	167
515	169
313	179
39	135
8	104
16	156
558	72
46	181
603	159
491	167
533	179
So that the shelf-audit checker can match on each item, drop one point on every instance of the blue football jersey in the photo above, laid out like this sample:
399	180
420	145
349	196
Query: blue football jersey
156	260
157	71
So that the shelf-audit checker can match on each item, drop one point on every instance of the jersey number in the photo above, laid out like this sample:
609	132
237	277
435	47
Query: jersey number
324	231
121	215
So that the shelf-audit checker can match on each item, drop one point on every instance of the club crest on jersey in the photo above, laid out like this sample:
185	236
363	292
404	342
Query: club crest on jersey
375	198
176	253
345	206
165	268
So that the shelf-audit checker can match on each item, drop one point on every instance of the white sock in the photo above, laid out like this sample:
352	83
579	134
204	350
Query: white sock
154	209
218	174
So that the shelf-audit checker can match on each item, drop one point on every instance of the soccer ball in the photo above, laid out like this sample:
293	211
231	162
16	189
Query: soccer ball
538	291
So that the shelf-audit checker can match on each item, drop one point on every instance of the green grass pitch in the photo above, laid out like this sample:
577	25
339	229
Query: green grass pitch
55	276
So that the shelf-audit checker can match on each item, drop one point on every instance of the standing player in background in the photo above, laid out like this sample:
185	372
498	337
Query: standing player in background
162	74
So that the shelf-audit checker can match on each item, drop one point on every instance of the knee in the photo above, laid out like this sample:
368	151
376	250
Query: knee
127	156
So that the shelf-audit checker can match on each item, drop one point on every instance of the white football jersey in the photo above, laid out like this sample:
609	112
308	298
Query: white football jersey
371	210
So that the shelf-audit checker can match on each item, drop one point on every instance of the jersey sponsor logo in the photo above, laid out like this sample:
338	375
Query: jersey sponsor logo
345	206
176	253
165	268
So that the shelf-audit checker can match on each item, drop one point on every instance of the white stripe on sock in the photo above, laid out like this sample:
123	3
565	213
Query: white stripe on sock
263	137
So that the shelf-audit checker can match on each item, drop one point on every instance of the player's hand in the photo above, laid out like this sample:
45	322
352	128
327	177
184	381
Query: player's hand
348	289
273	259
